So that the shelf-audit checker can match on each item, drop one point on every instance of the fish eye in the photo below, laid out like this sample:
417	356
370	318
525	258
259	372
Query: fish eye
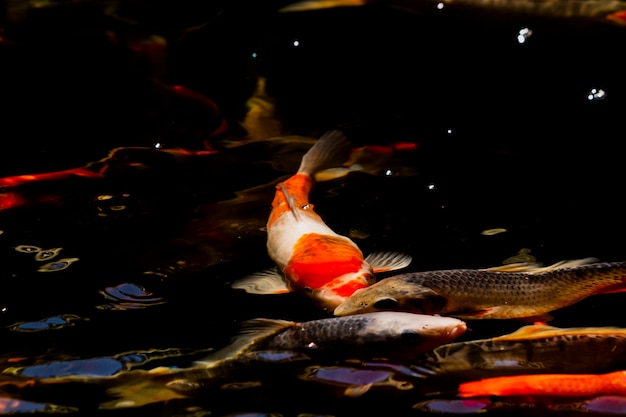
386	304
428	305
308	290
410	337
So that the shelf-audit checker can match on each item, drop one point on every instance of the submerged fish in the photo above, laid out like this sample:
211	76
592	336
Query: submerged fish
393	334
603	10
288	349
530	350
511	291
555	385
310	256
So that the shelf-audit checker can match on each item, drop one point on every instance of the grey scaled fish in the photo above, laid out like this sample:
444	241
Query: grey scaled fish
391	334
515	291
535	349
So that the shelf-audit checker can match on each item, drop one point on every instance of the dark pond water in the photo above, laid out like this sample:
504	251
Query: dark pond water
128	268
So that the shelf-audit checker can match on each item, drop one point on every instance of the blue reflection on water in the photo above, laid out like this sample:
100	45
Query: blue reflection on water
94	367
54	322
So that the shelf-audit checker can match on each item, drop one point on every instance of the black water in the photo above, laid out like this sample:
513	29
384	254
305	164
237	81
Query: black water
508	137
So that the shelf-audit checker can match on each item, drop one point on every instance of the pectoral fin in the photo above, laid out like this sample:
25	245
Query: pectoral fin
265	282
388	261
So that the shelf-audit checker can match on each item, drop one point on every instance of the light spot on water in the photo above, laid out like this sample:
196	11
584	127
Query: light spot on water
596	94
440	6
28	248
523	34
431	187
296	43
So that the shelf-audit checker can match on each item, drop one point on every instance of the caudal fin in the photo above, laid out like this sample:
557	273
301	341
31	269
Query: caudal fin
330	151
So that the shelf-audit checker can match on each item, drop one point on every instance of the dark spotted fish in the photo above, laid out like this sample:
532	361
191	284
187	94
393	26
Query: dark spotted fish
521	291
530	350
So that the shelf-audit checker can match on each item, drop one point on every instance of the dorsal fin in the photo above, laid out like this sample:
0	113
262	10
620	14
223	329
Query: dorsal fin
291	201
331	150
388	261
537	268
251	331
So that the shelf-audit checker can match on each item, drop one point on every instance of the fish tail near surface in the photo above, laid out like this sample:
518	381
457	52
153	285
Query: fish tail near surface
331	150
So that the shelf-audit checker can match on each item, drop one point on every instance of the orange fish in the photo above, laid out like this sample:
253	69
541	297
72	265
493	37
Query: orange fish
556	385
310	257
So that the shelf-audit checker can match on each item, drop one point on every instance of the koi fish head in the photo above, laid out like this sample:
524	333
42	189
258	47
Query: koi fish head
392	294
328	296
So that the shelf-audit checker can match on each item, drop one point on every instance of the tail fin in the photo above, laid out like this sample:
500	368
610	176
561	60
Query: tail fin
330	151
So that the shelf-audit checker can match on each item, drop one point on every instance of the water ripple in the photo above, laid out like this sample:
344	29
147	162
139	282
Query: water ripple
129	296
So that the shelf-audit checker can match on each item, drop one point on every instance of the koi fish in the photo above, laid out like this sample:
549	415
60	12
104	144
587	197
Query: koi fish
522	290
310	257
530	350
383	333
556	385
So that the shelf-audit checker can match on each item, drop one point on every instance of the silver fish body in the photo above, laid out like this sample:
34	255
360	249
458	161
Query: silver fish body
391	334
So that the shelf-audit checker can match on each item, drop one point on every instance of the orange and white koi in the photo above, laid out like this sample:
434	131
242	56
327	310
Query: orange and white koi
310	257
554	385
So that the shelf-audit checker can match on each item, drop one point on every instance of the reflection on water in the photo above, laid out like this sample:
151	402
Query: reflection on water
139	166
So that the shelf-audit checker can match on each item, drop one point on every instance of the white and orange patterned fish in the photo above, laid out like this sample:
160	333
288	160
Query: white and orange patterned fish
310	257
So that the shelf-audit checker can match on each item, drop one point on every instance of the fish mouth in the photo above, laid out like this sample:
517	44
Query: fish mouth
457	330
